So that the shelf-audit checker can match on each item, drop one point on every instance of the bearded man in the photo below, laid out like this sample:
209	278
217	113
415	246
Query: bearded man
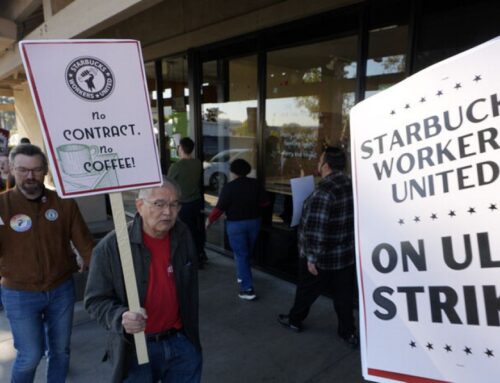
37	264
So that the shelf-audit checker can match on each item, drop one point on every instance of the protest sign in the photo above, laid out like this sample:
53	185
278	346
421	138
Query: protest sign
425	156
92	101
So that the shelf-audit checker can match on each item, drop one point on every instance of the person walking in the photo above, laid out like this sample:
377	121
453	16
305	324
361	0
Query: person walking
165	262
187	172
241	200
37	265
326	248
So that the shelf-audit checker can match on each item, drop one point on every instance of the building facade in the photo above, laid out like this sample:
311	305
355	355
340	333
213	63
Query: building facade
270	81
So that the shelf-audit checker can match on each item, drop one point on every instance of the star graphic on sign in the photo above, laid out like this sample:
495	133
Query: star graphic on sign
393	112
452	213
489	353
401	221
439	93
413	344
429	346
407	106
416	219
447	348
422	99
477	78
493	206
434	216
458	85
468	350
471	210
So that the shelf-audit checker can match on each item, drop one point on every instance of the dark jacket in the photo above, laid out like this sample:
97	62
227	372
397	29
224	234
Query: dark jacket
326	231
105	295
241	199
35	248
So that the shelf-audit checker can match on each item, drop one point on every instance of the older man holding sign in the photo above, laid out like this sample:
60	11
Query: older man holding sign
164	258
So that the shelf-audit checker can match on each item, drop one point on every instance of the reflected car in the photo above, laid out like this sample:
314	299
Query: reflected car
216	171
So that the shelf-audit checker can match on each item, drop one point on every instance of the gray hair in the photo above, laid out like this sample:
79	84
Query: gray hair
28	150
167	182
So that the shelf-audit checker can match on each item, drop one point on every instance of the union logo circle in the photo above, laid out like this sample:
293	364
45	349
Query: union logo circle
51	214
90	78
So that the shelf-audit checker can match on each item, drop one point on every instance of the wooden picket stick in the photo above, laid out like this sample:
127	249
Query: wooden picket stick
128	270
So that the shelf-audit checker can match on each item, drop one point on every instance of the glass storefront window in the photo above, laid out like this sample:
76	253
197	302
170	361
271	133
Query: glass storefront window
229	125
386	64
7	114
175	108
310	90
175	103
149	68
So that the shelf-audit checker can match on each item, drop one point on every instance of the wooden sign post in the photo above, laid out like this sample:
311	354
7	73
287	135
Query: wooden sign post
122	237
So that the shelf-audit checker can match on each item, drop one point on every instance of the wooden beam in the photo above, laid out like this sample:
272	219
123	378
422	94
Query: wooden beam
7	108
6	92
47	9
8	33
81	18
19	10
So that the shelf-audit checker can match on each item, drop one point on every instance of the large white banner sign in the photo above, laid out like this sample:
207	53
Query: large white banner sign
92	101
426	156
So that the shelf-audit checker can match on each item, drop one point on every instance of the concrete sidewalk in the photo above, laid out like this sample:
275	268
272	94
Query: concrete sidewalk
242	341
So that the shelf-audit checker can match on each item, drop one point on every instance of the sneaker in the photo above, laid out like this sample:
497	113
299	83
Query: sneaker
284	320
248	295
352	340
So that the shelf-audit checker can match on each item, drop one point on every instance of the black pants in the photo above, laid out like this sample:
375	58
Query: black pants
339	283
191	215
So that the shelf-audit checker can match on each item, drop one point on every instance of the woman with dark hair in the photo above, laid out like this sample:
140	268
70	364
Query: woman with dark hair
241	200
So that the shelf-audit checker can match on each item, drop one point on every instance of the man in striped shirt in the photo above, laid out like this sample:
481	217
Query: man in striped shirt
326	248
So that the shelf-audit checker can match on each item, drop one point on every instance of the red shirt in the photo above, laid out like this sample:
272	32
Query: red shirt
161	302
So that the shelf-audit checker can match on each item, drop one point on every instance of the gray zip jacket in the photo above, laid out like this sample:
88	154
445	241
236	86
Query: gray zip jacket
106	299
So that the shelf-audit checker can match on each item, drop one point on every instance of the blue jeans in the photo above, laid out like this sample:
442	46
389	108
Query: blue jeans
173	360
33	314
242	236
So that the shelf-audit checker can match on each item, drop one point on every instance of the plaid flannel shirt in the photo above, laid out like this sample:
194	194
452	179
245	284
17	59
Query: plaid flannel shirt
326	231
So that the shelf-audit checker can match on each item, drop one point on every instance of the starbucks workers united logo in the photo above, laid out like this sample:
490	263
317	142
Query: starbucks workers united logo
90	78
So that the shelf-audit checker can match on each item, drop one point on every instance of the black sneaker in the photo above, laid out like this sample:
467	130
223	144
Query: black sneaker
352	340
248	295
284	320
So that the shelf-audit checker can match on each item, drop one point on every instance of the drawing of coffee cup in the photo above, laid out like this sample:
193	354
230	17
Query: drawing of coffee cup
73	157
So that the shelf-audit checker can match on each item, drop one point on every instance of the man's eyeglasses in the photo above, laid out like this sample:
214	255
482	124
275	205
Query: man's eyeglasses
36	171
161	204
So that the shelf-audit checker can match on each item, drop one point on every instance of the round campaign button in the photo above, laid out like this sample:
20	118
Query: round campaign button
51	214
20	223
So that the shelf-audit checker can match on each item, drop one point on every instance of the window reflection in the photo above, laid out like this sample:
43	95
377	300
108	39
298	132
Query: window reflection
229	125
386	63
175	103
310	90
